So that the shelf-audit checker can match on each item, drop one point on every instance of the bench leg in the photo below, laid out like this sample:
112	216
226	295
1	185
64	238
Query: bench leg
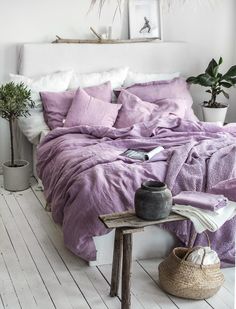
116	265
126	271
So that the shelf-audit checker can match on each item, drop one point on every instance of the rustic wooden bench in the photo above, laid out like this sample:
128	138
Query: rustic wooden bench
126	223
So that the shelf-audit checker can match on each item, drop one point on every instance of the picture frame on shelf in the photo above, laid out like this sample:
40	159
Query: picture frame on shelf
145	19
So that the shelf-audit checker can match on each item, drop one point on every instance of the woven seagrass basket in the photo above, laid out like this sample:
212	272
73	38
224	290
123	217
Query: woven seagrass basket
189	280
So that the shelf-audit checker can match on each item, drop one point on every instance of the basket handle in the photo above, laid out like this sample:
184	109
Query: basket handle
192	249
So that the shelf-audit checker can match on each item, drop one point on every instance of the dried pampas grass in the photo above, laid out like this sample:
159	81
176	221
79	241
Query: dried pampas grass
166	4
101	5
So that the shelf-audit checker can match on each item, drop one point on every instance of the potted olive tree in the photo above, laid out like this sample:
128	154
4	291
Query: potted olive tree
15	102
215	81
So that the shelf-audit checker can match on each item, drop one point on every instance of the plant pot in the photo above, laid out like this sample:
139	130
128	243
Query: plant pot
153	201
211	114
16	178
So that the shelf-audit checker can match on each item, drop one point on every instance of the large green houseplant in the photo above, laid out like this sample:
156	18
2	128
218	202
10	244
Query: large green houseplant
15	102
217	83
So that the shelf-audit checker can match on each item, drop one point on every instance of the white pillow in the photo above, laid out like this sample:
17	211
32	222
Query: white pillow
134	78
115	76
55	82
33	125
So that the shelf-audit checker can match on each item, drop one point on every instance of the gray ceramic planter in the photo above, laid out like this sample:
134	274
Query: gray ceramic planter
16	178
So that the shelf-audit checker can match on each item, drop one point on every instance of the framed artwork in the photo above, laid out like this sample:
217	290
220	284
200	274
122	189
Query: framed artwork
144	19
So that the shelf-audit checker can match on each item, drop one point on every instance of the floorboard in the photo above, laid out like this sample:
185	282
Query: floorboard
37	271
16	273
25	259
9	298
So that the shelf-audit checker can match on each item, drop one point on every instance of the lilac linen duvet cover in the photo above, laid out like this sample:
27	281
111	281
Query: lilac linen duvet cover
84	175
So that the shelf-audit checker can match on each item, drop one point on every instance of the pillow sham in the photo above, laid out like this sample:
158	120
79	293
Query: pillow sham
58	81
134	78
87	110
33	125
115	76
134	110
57	104
176	88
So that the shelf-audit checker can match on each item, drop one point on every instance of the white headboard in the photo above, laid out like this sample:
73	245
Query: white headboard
37	59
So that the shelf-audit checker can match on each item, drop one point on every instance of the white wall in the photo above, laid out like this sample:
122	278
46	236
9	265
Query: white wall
210	28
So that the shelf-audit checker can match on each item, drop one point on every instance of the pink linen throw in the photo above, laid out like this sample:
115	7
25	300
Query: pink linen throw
202	200
57	104
87	110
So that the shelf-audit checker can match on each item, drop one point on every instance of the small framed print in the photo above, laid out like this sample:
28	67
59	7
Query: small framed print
145	19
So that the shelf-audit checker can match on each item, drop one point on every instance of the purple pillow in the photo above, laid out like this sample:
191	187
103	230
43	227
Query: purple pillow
134	110
87	110
57	104
176	88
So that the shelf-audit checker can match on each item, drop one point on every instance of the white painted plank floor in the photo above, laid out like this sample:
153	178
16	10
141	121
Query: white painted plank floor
37	271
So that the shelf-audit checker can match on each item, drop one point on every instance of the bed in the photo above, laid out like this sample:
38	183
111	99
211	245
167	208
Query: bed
155	242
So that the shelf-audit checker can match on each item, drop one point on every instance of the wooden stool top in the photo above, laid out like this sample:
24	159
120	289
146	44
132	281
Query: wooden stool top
130	220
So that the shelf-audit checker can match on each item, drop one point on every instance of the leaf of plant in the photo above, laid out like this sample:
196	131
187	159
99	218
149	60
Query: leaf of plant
226	84
15	101
220	61
225	94
205	80
192	80
233	81
212	68
231	74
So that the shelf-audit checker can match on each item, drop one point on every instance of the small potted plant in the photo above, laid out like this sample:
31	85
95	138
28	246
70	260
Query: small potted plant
15	102
215	81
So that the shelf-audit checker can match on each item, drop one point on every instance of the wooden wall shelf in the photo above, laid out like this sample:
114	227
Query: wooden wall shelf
103	41
100	40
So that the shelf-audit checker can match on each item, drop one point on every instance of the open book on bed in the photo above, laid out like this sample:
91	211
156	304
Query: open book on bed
142	155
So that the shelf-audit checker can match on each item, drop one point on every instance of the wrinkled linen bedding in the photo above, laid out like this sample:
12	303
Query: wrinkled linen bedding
84	175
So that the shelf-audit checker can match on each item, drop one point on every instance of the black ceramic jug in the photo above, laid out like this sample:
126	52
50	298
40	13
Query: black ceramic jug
153	201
